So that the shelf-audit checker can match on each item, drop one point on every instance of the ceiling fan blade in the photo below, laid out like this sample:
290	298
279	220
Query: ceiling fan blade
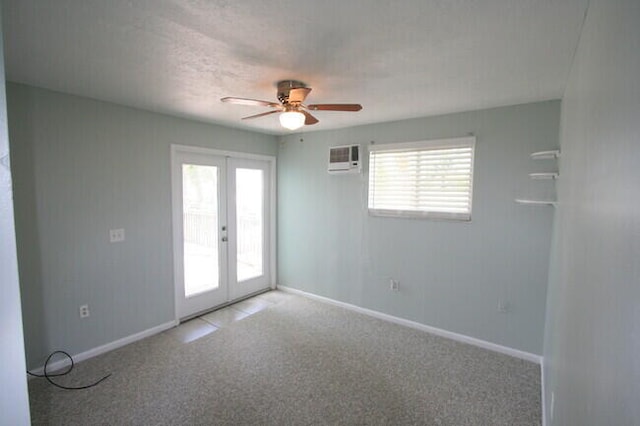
261	115
335	107
250	102
310	119
299	94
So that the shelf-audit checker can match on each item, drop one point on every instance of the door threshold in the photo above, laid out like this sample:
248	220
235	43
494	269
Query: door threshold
223	305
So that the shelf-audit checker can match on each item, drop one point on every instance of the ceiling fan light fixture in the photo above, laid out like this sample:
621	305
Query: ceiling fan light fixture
293	113
292	120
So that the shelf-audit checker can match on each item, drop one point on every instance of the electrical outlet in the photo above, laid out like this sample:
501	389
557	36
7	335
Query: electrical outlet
116	235
394	285
84	311
504	307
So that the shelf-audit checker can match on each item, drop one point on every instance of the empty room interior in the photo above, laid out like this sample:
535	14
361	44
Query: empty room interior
338	212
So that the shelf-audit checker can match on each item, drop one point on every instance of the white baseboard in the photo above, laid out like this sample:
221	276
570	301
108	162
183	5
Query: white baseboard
422	327
57	365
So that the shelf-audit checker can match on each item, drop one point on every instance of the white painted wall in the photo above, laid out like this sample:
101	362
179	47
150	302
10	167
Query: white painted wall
14	400
452	274
592	334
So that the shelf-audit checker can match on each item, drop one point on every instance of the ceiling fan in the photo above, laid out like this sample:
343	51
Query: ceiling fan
293	113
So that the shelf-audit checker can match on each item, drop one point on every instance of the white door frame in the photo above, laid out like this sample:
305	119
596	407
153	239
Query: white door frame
177	148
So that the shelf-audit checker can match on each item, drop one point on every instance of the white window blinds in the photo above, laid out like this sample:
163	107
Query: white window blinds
422	179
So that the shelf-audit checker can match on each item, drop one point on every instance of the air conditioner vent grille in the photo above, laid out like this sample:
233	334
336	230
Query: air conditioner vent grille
344	159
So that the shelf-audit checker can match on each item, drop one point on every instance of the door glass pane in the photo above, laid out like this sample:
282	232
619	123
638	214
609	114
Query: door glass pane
249	213
200	225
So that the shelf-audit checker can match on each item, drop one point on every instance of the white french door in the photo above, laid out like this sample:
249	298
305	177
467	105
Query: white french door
222	227
249	219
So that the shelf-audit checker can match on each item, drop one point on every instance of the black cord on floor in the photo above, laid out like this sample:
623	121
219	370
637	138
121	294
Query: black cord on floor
49	376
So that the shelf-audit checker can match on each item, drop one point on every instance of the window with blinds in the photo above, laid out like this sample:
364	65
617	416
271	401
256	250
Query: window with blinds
429	179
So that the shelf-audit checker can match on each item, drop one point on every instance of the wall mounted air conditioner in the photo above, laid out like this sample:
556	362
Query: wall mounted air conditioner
344	159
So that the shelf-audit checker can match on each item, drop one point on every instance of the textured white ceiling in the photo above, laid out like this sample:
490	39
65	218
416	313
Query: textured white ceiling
399	59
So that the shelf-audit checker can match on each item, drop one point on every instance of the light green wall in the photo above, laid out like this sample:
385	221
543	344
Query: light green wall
451	274
82	167
592	335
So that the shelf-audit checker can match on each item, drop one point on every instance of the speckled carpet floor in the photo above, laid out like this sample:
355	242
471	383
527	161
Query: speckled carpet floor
288	360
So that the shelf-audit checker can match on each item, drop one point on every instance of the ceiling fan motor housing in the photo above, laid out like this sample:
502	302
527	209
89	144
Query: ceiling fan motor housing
285	86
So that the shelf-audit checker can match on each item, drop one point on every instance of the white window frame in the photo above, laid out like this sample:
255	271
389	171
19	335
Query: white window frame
422	146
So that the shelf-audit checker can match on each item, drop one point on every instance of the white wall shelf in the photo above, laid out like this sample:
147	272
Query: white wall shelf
545	155
552	175
536	202
542	155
